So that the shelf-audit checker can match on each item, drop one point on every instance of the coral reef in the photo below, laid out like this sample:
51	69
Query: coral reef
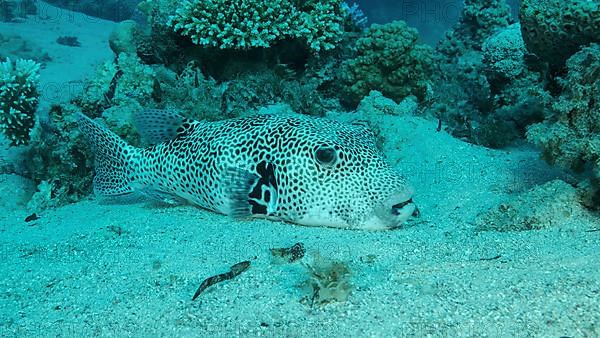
19	98
390	60
251	24
328	281
479	19
487	91
119	89
504	53
463	97
544	206
123	38
59	160
554	29
570	135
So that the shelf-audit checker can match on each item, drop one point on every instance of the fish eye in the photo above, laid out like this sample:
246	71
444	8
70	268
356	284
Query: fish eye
326	155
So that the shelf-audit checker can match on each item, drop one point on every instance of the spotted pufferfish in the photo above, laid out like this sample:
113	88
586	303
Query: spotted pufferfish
294	168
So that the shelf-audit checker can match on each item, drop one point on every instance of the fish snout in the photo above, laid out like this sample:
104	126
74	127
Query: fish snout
406	207
398	208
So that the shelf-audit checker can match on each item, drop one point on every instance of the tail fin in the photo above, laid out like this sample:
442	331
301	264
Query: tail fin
113	156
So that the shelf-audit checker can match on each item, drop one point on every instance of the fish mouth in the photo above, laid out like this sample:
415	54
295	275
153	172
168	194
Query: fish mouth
402	208
393	212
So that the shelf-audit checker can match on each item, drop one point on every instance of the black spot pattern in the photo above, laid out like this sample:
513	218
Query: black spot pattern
281	152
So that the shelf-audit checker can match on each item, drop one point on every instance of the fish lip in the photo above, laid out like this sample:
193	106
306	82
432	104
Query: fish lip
396	209
398	206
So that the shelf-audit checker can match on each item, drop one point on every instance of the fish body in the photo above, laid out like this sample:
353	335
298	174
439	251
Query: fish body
295	168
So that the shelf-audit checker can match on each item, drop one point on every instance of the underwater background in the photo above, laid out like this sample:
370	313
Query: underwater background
489	108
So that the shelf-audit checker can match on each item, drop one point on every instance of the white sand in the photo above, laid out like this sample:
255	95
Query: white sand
68	274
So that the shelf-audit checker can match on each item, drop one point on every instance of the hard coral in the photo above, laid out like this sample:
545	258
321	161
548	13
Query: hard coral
570	137
19	98
489	94
556	29
250	24
479	19
388	59
504	53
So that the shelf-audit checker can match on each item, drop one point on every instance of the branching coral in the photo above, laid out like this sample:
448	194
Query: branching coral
19	98
390	60
250	24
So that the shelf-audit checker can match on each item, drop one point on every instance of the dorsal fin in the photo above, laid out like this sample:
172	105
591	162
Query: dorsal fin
158	126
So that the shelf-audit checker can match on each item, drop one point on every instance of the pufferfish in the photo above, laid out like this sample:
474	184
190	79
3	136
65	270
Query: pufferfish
294	168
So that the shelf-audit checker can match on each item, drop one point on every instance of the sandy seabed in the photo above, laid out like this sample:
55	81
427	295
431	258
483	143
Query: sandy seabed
130	268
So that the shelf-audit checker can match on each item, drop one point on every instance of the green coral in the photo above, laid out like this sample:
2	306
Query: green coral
570	136
390	60
250	24
556	29
19	99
